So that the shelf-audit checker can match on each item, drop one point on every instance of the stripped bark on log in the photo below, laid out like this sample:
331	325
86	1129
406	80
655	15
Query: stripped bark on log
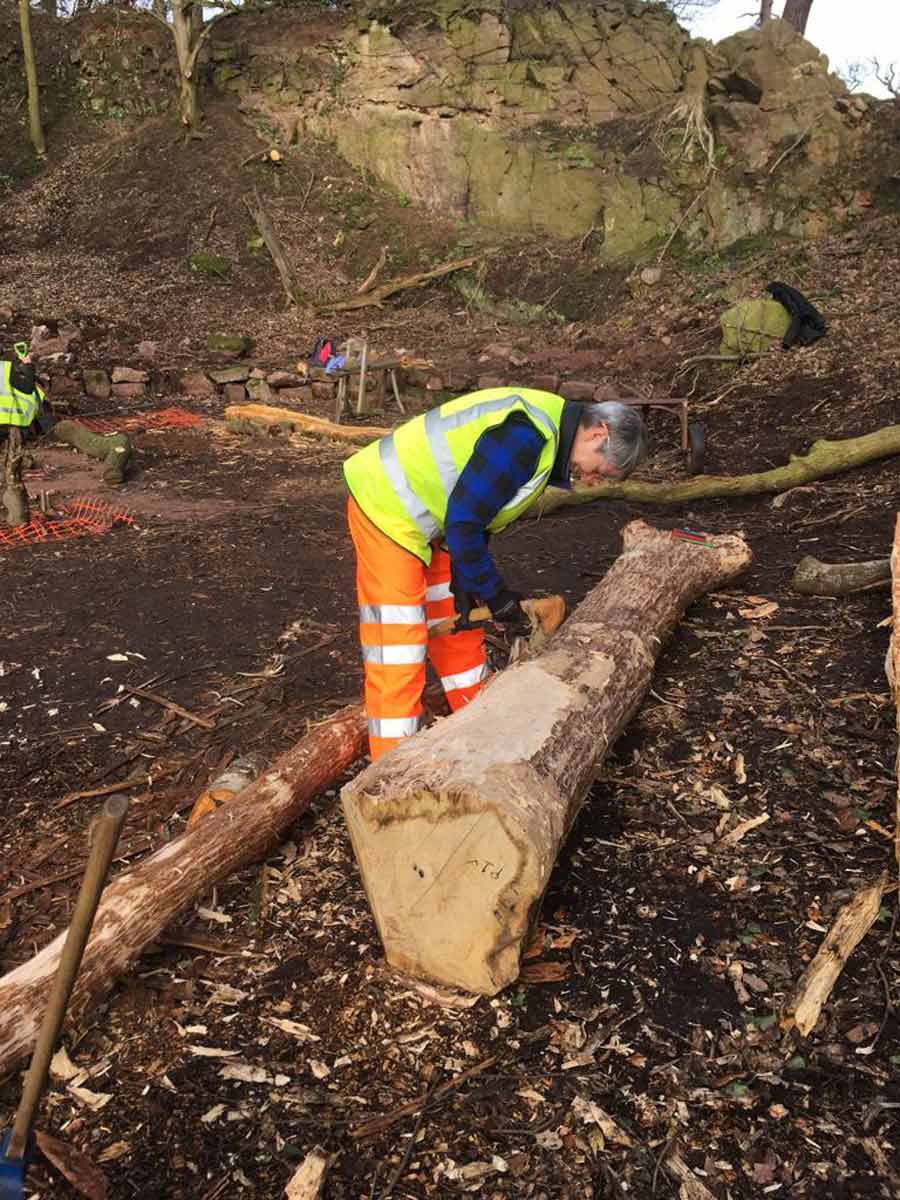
456	830
138	905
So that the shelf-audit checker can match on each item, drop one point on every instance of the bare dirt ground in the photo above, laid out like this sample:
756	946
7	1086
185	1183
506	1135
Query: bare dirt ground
667	958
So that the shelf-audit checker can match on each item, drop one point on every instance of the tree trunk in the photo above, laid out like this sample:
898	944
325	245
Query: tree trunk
796	13
138	905
15	497
814	578
182	32
765	12
824	459
34	98
49	7
457	829
894	665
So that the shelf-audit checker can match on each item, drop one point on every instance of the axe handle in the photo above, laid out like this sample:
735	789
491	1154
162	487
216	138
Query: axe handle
105	832
545	610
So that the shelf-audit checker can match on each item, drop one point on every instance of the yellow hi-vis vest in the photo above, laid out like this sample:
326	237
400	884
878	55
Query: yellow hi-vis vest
403	481
17	408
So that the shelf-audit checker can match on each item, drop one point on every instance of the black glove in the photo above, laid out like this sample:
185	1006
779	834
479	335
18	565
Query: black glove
506	608
807	324
463	601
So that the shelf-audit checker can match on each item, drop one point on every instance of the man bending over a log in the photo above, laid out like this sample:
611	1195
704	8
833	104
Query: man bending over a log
423	502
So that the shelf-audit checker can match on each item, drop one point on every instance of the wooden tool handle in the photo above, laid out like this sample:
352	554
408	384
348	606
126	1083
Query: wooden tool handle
105	831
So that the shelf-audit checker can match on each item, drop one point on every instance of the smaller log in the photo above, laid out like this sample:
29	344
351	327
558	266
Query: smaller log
851	925
138	904
398	285
265	416
113	449
815	578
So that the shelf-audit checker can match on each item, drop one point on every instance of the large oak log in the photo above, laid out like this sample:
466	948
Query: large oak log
457	829
139	904
266	415
823	459
815	578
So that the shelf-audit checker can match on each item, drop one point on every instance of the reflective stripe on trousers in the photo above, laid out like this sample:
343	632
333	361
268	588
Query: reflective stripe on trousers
398	598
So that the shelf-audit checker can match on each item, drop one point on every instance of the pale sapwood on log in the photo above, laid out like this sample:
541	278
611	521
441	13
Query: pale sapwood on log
267	415
456	830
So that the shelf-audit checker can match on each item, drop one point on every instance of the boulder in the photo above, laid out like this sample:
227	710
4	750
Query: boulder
235	393
295	396
546	383
129	375
231	344
128	390
63	386
260	392
96	383
230	374
753	326
284	379
196	383
577	389
488	381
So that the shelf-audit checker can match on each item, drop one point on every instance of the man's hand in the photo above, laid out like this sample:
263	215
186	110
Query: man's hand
464	602
507	609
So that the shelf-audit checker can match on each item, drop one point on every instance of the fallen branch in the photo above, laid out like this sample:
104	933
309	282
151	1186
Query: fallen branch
369	281
140	903
265	416
852	924
823	459
263	222
171	706
815	578
404	283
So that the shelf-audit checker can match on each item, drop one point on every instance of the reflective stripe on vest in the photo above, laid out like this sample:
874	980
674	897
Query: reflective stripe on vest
404	481
17	408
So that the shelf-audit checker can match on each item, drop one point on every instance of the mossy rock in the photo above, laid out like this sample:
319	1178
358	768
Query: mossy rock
753	326
213	266
229	343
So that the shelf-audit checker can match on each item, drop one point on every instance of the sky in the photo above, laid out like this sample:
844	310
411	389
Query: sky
846	32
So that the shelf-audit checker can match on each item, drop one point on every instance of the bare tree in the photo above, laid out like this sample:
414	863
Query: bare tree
189	32
796	13
765	12
888	75
31	79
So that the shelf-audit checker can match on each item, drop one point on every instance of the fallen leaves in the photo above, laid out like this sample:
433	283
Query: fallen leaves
76	1167
543	972
760	608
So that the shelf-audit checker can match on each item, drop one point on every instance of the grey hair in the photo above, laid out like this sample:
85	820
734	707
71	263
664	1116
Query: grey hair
627	444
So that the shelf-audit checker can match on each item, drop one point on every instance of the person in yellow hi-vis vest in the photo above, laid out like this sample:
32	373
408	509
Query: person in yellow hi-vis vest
423	502
21	398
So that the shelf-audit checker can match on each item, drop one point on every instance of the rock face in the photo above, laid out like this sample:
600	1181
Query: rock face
565	118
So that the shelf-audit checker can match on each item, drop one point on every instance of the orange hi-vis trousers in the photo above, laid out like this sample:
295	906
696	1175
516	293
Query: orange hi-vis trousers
399	600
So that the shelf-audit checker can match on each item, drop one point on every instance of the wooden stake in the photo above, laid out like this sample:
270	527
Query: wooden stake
15	497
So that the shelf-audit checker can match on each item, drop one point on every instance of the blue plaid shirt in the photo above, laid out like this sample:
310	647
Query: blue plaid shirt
504	459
